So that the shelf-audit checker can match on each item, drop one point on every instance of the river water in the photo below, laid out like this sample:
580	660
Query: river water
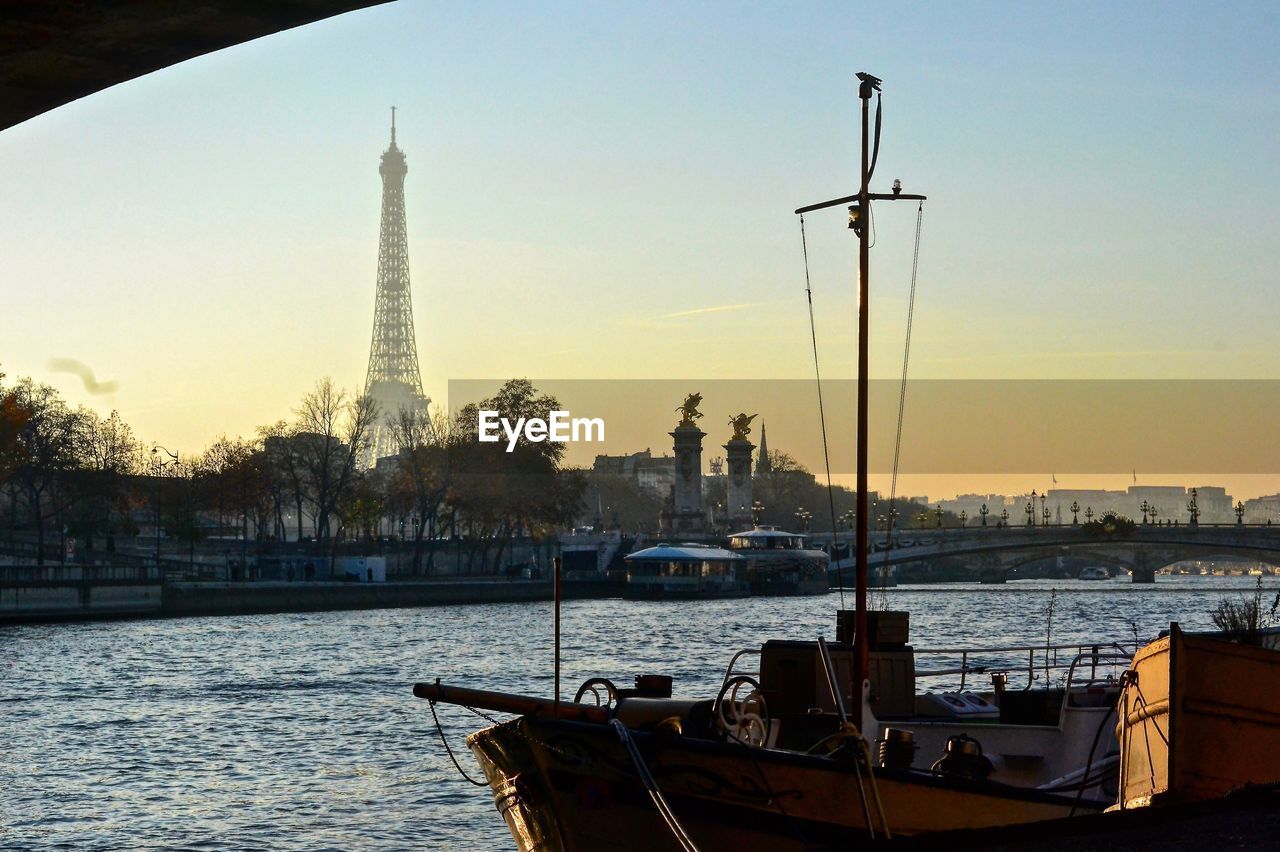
300	731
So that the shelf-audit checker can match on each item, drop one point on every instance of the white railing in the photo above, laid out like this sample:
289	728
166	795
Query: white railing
1040	661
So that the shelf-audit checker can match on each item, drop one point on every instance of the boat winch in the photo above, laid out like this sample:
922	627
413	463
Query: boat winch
963	759
897	749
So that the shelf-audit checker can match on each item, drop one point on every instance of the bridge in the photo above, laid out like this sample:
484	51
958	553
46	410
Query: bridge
992	552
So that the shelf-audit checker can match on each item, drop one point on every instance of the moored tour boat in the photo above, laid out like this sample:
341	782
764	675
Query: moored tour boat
779	563
685	571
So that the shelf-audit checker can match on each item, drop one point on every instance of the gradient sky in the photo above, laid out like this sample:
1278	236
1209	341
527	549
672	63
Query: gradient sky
605	190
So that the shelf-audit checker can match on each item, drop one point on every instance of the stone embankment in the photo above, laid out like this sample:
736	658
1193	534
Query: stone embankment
67	595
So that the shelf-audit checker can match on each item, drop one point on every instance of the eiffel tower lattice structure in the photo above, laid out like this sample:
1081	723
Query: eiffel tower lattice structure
394	379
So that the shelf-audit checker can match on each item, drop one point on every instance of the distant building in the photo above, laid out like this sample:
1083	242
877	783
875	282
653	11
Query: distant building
1262	510
653	474
971	505
1215	504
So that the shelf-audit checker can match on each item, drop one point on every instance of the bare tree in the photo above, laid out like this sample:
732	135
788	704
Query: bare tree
421	478
108	454
282	467
44	451
333	434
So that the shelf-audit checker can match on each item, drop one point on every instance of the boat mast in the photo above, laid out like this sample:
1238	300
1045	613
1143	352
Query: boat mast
859	220
867	84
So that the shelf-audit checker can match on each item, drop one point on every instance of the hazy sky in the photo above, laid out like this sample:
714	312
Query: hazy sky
605	190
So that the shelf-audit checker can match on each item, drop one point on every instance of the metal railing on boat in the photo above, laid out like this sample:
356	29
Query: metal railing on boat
1035	661
1040	660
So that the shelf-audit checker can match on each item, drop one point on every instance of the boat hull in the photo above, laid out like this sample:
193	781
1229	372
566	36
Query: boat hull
572	786
1199	720
658	592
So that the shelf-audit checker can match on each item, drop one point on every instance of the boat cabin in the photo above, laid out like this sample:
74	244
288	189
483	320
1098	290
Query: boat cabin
766	538
779	563
674	571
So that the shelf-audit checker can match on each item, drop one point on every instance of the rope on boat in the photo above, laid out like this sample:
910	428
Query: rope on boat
849	731
902	388
1127	680
646	778
1088	764
822	417
449	751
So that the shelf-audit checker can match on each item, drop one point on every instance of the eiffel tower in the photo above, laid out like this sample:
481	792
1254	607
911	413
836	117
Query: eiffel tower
394	379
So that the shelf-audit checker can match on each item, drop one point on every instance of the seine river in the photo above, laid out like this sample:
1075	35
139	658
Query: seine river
300	731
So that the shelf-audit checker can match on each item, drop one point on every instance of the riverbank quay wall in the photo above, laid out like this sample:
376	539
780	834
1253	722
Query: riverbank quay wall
83	594
75	592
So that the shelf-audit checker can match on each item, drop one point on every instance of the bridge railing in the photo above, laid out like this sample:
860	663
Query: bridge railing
1035	662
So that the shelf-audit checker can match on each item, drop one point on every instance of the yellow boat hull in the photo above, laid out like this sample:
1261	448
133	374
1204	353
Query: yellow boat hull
572	786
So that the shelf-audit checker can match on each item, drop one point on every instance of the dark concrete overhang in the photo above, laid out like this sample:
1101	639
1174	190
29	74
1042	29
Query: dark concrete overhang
55	51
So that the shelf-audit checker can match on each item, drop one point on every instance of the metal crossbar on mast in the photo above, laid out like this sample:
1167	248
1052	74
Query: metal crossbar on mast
859	217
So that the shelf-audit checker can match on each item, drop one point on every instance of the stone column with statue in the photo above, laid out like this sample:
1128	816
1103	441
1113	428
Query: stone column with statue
739	450
686	515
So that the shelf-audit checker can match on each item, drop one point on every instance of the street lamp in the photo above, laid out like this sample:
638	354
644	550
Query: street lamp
939	511
984	511
1239	513
964	517
922	518
1004	517
1193	508
1075	513
1154	513
1088	514
158	464
757	508
1044	512
1145	507
1030	511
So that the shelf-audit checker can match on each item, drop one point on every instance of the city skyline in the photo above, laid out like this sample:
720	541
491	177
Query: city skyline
206	236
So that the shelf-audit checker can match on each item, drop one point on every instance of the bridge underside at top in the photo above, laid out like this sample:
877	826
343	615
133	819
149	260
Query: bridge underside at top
55	53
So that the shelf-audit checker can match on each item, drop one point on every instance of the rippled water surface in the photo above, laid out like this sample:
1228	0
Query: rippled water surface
300	731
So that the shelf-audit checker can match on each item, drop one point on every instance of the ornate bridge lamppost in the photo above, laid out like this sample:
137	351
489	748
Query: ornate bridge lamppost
984	511
1088	514
1004	517
1075	513
1145	507
964	517
939	512
802	518
1239	513
922	517
1044	512
159	465
757	508
1030	511
1154	512
1193	509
